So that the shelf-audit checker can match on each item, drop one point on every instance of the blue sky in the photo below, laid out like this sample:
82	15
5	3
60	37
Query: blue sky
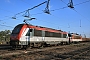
67	19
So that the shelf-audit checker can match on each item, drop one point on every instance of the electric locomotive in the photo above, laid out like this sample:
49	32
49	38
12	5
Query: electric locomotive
75	38
27	35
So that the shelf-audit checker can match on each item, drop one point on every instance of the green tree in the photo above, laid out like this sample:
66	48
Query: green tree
5	36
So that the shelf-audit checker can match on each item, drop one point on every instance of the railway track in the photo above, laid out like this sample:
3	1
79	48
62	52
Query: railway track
4	46
77	54
81	54
66	52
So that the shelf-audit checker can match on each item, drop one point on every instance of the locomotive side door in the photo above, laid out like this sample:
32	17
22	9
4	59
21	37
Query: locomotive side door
29	35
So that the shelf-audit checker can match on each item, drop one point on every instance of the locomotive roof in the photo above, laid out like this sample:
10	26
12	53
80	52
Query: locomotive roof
44	28
75	34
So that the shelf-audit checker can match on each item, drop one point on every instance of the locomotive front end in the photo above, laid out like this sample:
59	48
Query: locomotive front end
14	38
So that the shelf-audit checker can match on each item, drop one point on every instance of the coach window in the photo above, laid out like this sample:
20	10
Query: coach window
59	35
37	32
54	34
47	34
51	34
64	35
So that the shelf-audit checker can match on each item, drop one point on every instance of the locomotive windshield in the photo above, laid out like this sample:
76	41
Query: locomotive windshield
17	29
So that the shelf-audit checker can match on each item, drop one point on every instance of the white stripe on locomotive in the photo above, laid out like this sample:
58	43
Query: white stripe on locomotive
24	39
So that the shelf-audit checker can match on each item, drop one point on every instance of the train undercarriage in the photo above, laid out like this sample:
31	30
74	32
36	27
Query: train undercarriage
15	44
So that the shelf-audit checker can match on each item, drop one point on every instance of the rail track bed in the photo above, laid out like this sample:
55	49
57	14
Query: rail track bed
80	51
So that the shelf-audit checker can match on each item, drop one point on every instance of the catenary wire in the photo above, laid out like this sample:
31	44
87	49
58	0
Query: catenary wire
6	26
59	8
76	10
80	14
50	10
53	9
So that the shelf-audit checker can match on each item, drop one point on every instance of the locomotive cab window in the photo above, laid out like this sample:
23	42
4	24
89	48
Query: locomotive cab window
17	29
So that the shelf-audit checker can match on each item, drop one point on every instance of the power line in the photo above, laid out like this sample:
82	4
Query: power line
67	6
27	11
54	23
59	8
50	23
6	26
82	2
64	7
79	4
50	10
31	8
6	10
60	18
80	14
25	2
42	12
